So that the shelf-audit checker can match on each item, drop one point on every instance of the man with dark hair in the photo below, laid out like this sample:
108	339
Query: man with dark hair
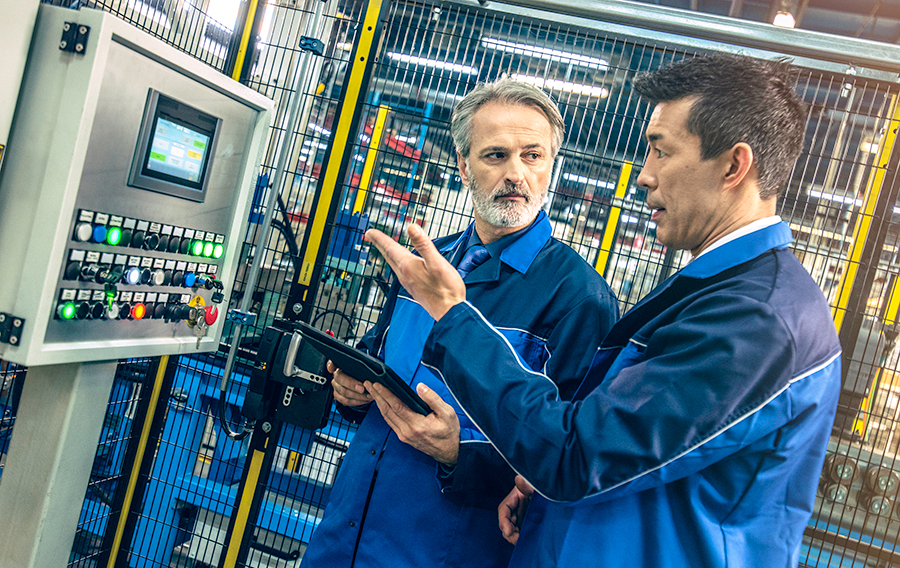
412	506
699	434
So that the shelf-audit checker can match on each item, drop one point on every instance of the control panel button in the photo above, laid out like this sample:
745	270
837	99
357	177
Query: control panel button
124	310
218	251
113	311
66	310
125	241
174	243
197	248
137	239
159	310
84	232
138	311
178	278
211	315
114	236
208	249
189	279
73	271
133	276
98	310
185	246
163	243
99	234
146	275
82	310
158	277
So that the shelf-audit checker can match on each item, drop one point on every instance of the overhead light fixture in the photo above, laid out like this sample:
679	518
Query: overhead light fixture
784	20
316	128
445	65
545	53
565	86
836	198
786	12
588	181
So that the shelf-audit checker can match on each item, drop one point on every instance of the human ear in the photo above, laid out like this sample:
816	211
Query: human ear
463	170
739	164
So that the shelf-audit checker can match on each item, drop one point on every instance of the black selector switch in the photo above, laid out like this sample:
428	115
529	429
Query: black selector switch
90	271
151	241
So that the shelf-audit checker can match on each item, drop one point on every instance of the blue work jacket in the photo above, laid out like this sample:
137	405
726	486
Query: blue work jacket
394	506
699	434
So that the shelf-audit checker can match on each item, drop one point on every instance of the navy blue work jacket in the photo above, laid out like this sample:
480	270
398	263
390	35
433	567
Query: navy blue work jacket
699	434
392	505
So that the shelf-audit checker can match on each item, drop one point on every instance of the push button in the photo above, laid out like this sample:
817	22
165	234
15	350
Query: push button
84	232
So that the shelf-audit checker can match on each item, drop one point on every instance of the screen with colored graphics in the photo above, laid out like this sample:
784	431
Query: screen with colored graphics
175	148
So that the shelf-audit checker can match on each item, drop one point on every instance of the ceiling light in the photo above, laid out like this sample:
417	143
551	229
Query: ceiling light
784	20
545	53
445	65
557	85
588	181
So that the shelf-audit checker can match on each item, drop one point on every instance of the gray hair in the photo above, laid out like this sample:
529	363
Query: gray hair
506	91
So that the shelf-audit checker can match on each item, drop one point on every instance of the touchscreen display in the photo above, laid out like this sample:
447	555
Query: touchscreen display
177	150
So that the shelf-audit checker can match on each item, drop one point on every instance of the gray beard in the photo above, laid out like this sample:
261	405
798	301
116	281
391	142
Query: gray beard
504	213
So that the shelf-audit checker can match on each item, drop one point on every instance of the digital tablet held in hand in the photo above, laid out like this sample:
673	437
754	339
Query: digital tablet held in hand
362	366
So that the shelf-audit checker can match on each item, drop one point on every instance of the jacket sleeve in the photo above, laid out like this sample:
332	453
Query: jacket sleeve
480	469
371	343
674	407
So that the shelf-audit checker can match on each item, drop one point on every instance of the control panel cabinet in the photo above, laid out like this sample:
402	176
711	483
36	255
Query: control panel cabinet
124	196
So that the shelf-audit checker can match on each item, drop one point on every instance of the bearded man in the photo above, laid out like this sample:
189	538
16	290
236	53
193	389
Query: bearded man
396	505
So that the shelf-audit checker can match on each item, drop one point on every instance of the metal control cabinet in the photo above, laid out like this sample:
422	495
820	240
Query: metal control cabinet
92	267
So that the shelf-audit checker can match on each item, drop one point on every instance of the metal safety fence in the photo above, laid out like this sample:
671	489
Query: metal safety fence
369	145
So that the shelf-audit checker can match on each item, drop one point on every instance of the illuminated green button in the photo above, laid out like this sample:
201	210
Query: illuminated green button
114	236
218	251
66	311
197	248
208	249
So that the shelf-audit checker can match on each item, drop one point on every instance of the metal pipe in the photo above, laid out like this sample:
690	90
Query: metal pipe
301	79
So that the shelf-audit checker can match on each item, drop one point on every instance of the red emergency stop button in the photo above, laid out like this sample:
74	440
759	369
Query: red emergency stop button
212	314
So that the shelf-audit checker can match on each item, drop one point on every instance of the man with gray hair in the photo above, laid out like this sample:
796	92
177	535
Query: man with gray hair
400	505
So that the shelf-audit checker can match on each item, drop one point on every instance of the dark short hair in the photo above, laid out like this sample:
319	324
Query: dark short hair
507	91
738	99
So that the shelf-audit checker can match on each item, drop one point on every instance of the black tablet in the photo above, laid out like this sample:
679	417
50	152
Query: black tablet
362	366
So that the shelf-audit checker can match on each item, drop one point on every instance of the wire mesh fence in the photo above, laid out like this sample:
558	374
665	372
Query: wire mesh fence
841	203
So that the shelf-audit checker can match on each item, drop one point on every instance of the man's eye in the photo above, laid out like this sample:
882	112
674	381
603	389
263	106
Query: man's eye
659	153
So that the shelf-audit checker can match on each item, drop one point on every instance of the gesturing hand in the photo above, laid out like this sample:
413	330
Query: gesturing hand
429	278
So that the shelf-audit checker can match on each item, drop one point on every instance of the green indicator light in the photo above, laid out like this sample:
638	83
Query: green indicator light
114	235
67	311
197	248
218	251
207	249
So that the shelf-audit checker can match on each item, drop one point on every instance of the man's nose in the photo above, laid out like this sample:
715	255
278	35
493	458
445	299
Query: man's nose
515	171
646	179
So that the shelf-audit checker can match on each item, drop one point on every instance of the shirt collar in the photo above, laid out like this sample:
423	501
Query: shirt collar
517	250
740	246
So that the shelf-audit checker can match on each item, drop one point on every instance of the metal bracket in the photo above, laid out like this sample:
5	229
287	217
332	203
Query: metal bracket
312	44
243	318
11	328
74	38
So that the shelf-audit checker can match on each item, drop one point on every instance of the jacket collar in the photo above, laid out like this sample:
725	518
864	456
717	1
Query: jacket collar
738	251
517	251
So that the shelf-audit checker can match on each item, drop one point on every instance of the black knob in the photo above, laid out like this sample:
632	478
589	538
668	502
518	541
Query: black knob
159	310
178	278
124	310
174	243
146	275
163	243
185	246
